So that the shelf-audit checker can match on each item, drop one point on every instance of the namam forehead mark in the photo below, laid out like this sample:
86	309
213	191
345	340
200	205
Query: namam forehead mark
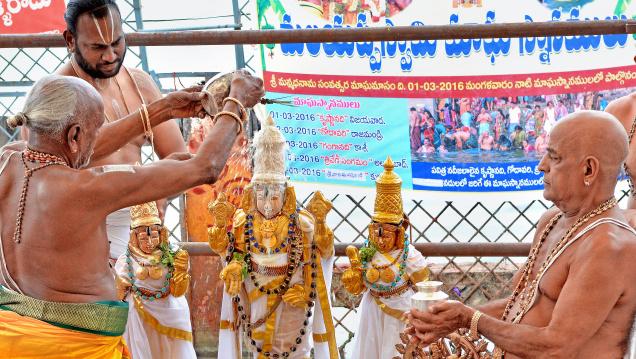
109	40
107	28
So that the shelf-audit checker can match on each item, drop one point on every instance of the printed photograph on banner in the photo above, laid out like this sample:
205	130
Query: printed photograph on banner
490	143
486	129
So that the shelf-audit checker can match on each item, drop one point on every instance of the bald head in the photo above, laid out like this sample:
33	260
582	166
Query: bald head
55	103
596	134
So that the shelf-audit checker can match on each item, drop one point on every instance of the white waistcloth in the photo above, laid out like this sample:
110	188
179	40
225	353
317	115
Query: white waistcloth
288	318
118	230
378	332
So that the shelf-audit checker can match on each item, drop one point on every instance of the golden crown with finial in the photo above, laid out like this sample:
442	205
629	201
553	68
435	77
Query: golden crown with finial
145	214
388	199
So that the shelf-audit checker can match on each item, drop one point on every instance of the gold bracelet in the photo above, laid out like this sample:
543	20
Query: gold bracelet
242	111
145	121
148	126
473	334
234	117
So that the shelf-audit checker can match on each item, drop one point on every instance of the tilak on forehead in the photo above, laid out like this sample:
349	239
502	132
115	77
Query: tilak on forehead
99	28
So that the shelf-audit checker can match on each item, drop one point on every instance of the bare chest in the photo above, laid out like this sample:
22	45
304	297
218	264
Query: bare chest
120	97
551	266
544	277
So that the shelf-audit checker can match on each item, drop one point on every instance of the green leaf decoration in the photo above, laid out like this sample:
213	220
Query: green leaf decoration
167	255
367	253
241	258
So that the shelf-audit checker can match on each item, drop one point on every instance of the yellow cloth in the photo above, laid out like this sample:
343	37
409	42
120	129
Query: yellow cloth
24	337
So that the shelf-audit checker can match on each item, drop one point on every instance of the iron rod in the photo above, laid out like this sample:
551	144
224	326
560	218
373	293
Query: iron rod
427	249
429	32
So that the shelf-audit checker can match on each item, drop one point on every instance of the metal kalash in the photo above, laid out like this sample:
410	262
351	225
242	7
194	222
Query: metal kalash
218	88
457	345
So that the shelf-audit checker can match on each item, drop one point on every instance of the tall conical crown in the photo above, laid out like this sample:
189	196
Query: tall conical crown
269	154
388	197
145	214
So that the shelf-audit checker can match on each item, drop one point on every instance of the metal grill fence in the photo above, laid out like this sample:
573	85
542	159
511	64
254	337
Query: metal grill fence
477	279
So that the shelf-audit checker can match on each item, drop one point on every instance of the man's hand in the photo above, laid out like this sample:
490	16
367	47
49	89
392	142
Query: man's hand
162	207
440	320
247	88
185	103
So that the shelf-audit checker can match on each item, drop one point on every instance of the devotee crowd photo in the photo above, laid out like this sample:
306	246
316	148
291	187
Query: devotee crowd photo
97	153
520	123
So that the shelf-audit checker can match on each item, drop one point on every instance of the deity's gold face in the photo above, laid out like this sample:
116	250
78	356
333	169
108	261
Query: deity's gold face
269	199
384	236
148	238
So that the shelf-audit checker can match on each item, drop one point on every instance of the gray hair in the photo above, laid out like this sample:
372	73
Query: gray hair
52	105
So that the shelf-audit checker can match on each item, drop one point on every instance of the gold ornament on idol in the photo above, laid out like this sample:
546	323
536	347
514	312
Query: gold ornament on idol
268	237
145	214
387	275
155	272
388	198
149	270
372	275
141	273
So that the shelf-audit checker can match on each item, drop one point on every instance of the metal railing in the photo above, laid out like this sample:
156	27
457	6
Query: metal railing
396	33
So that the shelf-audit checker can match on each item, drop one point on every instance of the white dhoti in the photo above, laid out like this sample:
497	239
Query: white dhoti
287	320
170	336
118	231
160	328
378	332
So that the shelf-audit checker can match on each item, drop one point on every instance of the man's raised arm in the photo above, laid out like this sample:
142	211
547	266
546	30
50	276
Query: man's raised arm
114	135
140	184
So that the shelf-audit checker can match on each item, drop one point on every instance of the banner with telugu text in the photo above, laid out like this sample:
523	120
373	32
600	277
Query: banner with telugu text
32	16
455	116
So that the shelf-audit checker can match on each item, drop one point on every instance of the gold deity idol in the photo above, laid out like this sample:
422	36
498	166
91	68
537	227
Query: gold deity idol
386	236
277	257
385	269
153	278
149	257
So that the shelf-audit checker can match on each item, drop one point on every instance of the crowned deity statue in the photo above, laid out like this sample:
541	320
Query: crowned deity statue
153	278
386	269
278	263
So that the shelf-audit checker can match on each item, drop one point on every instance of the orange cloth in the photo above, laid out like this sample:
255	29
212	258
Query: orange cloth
24	337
